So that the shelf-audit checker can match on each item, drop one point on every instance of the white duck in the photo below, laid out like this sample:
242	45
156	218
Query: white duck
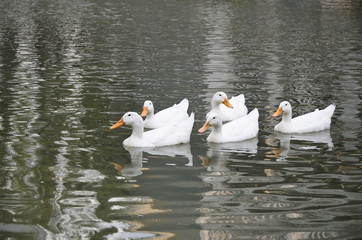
171	115
164	136
237	130
226	109
310	122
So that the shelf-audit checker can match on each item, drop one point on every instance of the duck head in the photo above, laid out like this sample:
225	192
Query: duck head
129	118
221	98
284	107
147	108
212	120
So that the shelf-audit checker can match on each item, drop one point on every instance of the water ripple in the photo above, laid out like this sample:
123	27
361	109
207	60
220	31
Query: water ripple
68	69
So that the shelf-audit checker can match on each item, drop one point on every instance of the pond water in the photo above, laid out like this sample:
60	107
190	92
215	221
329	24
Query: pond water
70	69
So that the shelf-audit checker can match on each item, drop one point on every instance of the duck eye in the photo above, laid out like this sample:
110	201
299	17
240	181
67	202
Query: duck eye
214	118
129	115
220	95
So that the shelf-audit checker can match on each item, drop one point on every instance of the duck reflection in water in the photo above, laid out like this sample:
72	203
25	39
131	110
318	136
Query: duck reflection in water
134	168
215	202
218	153
308	140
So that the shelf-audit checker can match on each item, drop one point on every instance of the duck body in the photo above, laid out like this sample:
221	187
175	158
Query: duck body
226	109
171	134
311	122
237	130
167	116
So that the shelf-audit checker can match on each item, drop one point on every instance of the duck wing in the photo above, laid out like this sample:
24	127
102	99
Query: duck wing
171	134
242	128
173	114
313	121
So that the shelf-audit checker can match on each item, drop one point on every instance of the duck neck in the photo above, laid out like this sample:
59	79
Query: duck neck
215	105
150	115
287	117
137	130
217	130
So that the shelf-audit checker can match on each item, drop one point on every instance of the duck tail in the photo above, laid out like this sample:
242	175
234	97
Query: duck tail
330	109
192	116
255	113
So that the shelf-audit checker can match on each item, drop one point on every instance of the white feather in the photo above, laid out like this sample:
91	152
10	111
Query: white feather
167	116
170	134
237	130
227	114
311	122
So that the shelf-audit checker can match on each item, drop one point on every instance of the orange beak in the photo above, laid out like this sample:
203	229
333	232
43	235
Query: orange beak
144	112
227	103
118	124
205	127
118	167
278	112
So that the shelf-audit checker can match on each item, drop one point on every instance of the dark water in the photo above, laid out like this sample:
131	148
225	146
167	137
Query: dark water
70	69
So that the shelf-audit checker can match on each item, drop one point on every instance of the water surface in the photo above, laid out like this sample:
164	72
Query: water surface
70	69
